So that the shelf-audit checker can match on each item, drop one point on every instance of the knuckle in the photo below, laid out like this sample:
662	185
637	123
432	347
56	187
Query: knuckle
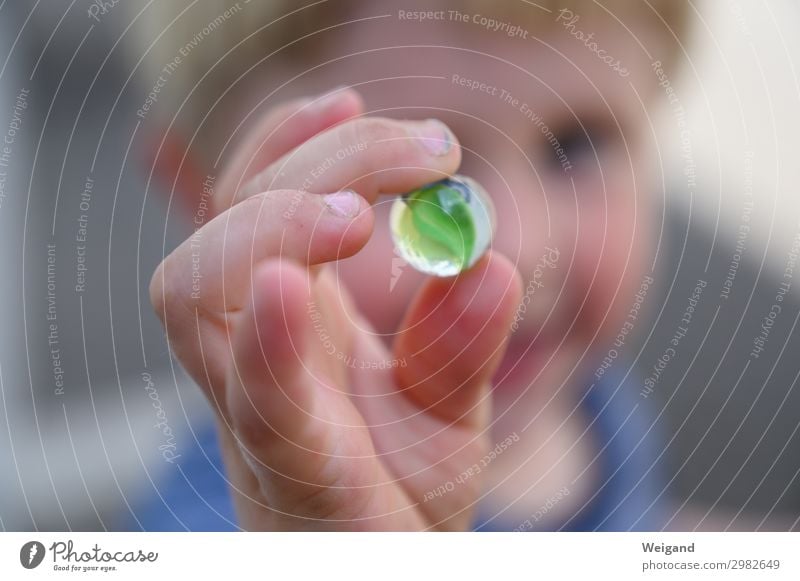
284	111
388	144
263	203
225	197
157	292
256	203
332	504
331	501
288	205
170	299
376	129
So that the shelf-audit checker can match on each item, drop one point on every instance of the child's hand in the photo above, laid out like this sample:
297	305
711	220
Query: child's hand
322	427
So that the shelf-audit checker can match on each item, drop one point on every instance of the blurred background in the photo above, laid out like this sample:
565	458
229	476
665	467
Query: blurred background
83	358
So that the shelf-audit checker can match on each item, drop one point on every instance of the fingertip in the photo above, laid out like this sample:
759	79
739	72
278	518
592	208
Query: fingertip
492	287
454	334
508	277
351	211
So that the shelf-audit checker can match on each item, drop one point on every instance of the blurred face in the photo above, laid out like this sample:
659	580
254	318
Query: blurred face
554	135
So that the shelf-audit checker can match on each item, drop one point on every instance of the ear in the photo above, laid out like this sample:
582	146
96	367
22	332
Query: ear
176	169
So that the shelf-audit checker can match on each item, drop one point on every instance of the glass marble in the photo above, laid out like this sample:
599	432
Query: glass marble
443	228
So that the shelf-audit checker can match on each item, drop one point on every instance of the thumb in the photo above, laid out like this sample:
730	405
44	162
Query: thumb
454	336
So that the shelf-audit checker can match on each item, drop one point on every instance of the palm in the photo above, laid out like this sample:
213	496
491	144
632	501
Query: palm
393	461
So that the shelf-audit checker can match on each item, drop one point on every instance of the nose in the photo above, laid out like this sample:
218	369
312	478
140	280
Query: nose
530	232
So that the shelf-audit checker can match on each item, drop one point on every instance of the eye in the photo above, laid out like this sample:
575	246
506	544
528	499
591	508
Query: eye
578	146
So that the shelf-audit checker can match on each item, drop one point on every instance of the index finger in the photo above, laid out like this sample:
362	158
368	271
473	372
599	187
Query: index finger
279	131
212	269
370	155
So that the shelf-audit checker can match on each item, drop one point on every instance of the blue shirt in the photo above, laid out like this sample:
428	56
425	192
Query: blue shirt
630	486
195	496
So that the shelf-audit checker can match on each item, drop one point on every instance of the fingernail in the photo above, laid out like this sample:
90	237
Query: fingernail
344	204
329	98
436	137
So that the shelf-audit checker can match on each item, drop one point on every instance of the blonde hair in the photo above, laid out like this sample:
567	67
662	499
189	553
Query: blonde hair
198	49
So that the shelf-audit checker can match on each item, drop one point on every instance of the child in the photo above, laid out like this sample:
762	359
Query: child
351	392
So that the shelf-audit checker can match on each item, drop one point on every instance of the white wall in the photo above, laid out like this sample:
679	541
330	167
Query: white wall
742	92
